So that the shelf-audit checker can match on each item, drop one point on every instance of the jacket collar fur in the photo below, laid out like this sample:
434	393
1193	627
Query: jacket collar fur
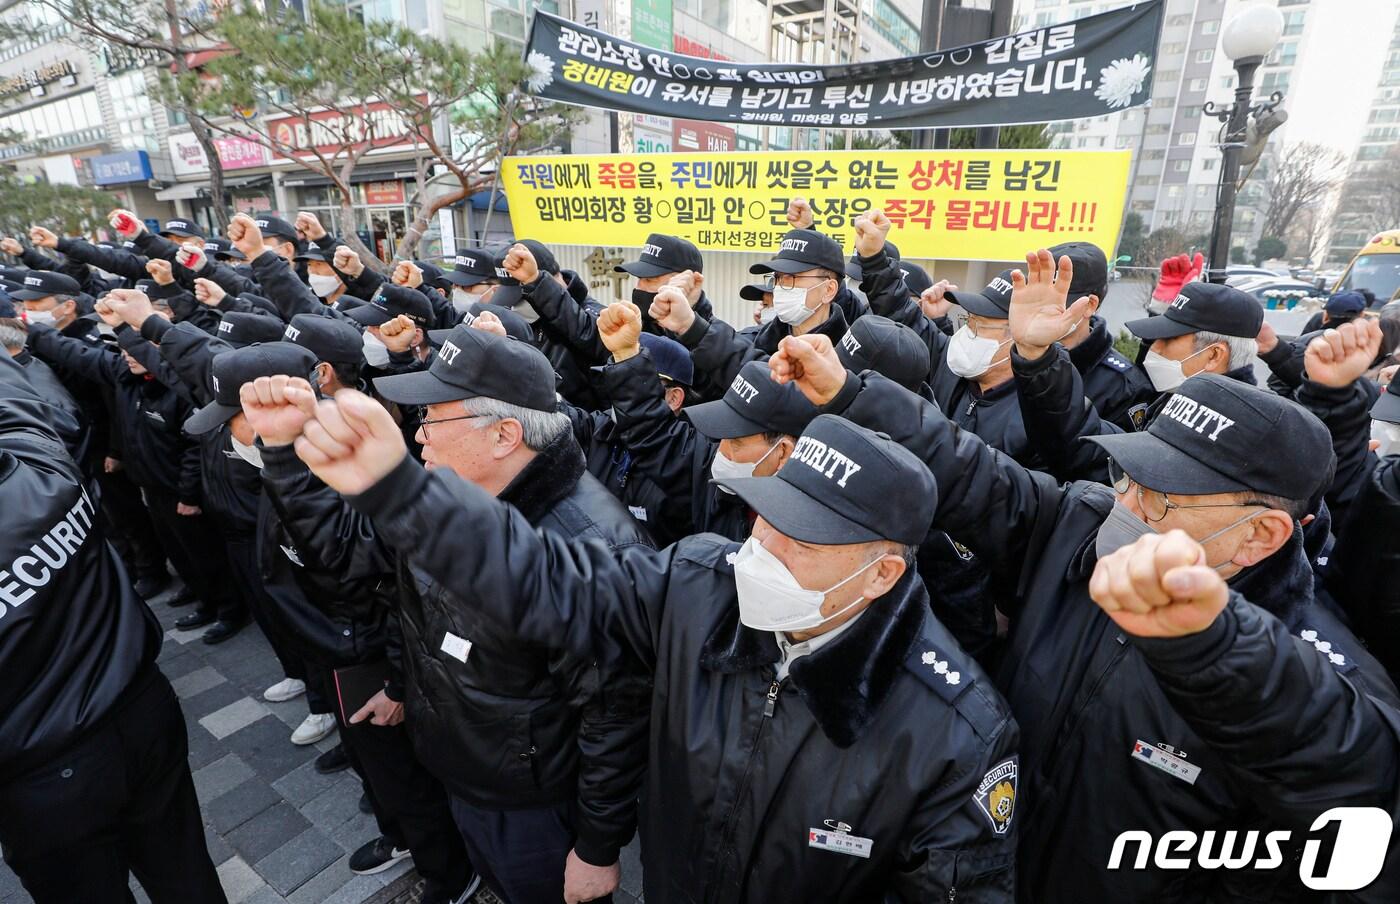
548	478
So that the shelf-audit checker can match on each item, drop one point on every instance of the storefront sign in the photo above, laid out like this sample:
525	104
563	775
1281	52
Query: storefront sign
379	125
954	205
689	135
187	156
34	80
116	169
383	193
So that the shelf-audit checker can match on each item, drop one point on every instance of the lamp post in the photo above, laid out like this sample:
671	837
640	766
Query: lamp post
1246	39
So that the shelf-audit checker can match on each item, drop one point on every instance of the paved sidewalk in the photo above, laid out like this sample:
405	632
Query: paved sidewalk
277	831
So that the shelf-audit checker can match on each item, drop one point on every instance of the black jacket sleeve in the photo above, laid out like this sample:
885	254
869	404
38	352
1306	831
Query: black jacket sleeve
123	263
190	352
566	320
226	278
1059	417
99	363
1365	567
718	351
1346	414
292	296
612	743
1286	367
148	356
884	288
364	285
186	308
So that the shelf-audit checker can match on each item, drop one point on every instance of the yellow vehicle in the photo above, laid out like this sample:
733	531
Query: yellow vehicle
1375	267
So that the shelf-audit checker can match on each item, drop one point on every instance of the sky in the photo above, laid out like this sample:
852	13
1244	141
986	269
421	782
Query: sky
1337	71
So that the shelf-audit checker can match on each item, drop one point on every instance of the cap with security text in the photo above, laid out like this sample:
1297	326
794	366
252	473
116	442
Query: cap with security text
43	283
270	225
238	328
328	338
993	302
753	403
890	349
477	364
182	228
1203	307
230	370
1208	438
390	301
837	486
802	250
663	254
476	265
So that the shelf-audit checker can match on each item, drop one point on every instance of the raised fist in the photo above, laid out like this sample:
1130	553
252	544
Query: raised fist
160	271
810	361
109	315
208	292
42	238
127	224
934	301
406	273
191	256
1159	586
133	306
520	264
799	214
620	328
11	247
277	407
871	229
348	262
397	334
488	322
1268	339
243	231
308	227
1339	357
352	443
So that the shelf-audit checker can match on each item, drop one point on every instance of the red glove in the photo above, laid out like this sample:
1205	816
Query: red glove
1177	272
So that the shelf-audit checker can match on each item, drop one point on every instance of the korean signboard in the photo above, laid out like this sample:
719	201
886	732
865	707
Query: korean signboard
188	158
952	205
1087	67
120	168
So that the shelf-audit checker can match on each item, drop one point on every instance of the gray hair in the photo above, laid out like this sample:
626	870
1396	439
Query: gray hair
1242	350
12	337
538	428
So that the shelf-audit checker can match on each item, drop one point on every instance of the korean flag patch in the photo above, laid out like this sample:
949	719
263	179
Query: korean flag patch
996	795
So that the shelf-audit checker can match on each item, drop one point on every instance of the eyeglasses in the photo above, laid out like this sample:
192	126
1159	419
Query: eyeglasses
980	326
424	421
789	280
1155	504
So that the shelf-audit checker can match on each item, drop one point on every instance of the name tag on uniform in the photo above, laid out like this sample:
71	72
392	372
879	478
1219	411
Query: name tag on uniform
1172	765
456	647
839	843
637	512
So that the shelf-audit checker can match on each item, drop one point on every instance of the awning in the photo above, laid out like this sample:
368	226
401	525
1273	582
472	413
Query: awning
481	200
247	181
185	191
387	173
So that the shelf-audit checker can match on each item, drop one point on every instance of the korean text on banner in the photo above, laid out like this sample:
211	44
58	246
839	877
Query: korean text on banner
950	205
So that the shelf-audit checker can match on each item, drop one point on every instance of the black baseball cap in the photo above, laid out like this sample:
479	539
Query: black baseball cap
265	304
507	291
1090	269
217	247
1346	304
43	283
477	364
270	225
804	249
183	228
753	403
516	326
994	301
1218	435
238	328
844	484
672	359
1387	407
231	369
328	338
1203	307
890	349
544	258
853	268
663	254
314	254
471	267
916	278
754	291
390	301
432	274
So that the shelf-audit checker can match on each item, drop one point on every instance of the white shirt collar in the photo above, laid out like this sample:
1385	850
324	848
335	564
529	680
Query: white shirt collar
791	651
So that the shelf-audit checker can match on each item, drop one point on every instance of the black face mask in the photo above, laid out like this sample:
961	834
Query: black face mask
643	302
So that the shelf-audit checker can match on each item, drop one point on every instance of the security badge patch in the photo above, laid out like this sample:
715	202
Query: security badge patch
1138	415
996	795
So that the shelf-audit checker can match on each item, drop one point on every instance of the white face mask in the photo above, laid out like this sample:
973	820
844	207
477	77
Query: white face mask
462	299
1388	435
723	467
44	317
375	351
971	356
766	315
251	454
1165	373
770	599
790	305
323	286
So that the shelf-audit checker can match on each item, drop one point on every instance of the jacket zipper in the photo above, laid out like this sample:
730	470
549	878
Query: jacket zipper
770	704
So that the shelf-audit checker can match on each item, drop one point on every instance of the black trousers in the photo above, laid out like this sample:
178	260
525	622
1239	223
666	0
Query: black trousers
196	549
120	801
519	853
129	525
410	805
242	552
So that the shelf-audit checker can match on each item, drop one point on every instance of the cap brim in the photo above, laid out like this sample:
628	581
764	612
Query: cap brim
369	315
1387	408
642	269
506	296
782	265
717	420
457	278
977	304
419	388
795	514
853	271
1155	464
752	292
1159	327
209	417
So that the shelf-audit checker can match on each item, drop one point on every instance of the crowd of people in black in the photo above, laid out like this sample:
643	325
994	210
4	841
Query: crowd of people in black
900	591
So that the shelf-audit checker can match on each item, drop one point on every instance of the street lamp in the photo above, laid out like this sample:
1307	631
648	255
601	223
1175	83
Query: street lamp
1247	38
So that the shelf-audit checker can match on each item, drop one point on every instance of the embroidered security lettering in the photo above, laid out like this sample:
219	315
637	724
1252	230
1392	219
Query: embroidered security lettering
825	460
1195	416
449	352
745	390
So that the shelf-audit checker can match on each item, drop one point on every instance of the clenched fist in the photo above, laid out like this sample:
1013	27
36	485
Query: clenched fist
620	328
127	224
799	214
348	262
1339	357
810	361
352	442
160	271
671	309
871	229
308	227
521	265
191	256
406	273
42	238
208	292
245	235
1159	586
934	301
488	322
109	315
277	407
11	247
133	306
397	334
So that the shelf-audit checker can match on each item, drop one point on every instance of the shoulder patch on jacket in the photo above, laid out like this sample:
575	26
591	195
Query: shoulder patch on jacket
1339	660
1116	362
1138	415
936	669
996	794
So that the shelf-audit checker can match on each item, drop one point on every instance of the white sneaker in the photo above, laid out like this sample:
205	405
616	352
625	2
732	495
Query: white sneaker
313	728
284	690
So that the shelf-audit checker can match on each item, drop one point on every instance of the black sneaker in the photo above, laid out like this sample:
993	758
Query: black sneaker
195	619
150	585
333	760
183	597
432	894
222	630
376	856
